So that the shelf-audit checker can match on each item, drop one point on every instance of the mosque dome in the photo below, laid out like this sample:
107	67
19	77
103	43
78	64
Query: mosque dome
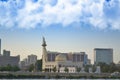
60	57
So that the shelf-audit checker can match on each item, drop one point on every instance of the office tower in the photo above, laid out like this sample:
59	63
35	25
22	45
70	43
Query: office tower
0	46
6	53
103	55
32	59
25	63
11	60
80	56
6	59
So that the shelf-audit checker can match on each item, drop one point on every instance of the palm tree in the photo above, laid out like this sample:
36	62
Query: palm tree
54	69
66	69
78	69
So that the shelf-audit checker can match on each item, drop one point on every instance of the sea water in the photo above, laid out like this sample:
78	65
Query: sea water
59	79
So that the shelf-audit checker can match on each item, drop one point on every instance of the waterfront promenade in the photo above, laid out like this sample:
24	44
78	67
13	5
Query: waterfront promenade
56	75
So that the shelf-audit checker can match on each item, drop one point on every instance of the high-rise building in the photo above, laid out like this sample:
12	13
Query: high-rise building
32	59
0	46
6	53
11	60
103	55
6	59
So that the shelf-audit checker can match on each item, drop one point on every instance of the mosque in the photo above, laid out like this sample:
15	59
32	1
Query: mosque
61	61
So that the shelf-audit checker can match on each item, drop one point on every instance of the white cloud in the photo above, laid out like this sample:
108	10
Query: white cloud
31	13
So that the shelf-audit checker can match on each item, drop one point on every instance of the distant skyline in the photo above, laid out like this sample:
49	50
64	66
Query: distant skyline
67	25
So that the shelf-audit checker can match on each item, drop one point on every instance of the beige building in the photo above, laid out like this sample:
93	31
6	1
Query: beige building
51	60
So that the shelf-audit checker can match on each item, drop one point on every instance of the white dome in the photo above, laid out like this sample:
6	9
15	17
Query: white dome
60	57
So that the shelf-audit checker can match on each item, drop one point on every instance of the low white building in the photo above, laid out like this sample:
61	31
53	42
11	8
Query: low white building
70	69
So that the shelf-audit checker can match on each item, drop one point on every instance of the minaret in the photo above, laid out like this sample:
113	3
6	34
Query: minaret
44	53
44	42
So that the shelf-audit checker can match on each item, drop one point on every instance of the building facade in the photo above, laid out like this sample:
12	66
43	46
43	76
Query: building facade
70	70
6	59
30	60
0	46
6	53
59	61
103	55
88	62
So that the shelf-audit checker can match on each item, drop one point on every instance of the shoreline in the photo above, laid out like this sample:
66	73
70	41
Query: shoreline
46	75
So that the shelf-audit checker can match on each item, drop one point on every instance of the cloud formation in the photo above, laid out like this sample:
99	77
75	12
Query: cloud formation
35	13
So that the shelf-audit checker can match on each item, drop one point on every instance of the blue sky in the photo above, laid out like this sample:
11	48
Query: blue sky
68	26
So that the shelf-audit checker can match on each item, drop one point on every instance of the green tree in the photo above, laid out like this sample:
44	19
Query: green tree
108	68
86	68
2	68
9	68
93	68
54	69
15	68
31	67
78	69
39	65
104	67
66	69
113	68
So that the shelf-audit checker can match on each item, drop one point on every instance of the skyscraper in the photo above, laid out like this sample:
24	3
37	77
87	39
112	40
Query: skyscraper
32	59
103	55
6	53
0	46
